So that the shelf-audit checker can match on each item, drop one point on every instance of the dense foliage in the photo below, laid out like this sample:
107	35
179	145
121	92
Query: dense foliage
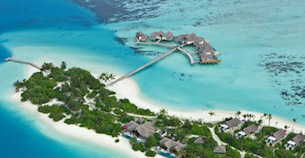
72	89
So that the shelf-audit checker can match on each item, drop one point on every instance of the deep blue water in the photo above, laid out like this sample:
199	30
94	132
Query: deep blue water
19	135
20	139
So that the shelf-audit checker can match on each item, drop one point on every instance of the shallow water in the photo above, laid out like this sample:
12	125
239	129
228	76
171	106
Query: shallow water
245	32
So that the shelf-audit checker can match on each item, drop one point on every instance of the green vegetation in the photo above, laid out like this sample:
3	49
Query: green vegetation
232	153
117	140
150	153
79	98
71	88
250	156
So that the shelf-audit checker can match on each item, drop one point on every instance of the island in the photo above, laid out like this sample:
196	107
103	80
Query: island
77	97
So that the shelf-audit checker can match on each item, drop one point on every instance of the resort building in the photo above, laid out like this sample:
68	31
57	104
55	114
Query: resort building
248	131
156	36
220	149
207	54
139	120
170	146
141	37
295	141
189	39
142	132
181	38
168	36
230	125
277	136
199	140
129	128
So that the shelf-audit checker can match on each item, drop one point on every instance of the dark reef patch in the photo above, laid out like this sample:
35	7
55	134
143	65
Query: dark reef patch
110	11
288	74
181	76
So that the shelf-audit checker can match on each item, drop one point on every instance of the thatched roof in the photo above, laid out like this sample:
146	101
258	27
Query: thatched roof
179	147
250	129
298	138
279	134
199	140
163	140
130	126
144	132
220	149
149	125
233	122
170	144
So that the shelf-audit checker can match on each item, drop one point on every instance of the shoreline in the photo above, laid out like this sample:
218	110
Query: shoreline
128	88
76	132
73	131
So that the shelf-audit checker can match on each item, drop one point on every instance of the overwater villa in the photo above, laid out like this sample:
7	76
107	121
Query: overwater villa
295	141
230	125
141	37
247	132
206	54
276	137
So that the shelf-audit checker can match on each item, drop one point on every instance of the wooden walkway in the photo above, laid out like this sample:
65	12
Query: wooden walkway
23	62
188	54
143	66
156	43
174	48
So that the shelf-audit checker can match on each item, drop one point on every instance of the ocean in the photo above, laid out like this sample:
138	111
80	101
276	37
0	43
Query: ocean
261	45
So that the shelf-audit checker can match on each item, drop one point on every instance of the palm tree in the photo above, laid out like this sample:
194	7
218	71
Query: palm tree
182	153
112	76
46	66
245	116
269	117
238	113
63	65
102	77
294	122
260	121
250	116
163	112
286	127
211	113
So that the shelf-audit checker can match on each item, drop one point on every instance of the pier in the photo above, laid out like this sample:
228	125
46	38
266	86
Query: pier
206	53
23	62
143	66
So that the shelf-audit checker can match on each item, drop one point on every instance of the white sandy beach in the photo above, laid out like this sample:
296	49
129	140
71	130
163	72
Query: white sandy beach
129	89
74	131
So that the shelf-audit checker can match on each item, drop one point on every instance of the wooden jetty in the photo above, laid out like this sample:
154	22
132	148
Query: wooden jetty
23	62
143	66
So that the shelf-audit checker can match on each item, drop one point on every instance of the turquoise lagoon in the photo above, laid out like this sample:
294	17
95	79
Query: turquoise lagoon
245	32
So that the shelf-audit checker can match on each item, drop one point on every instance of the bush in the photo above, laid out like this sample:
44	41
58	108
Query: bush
232	153
117	140
150	153
249	156
138	146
